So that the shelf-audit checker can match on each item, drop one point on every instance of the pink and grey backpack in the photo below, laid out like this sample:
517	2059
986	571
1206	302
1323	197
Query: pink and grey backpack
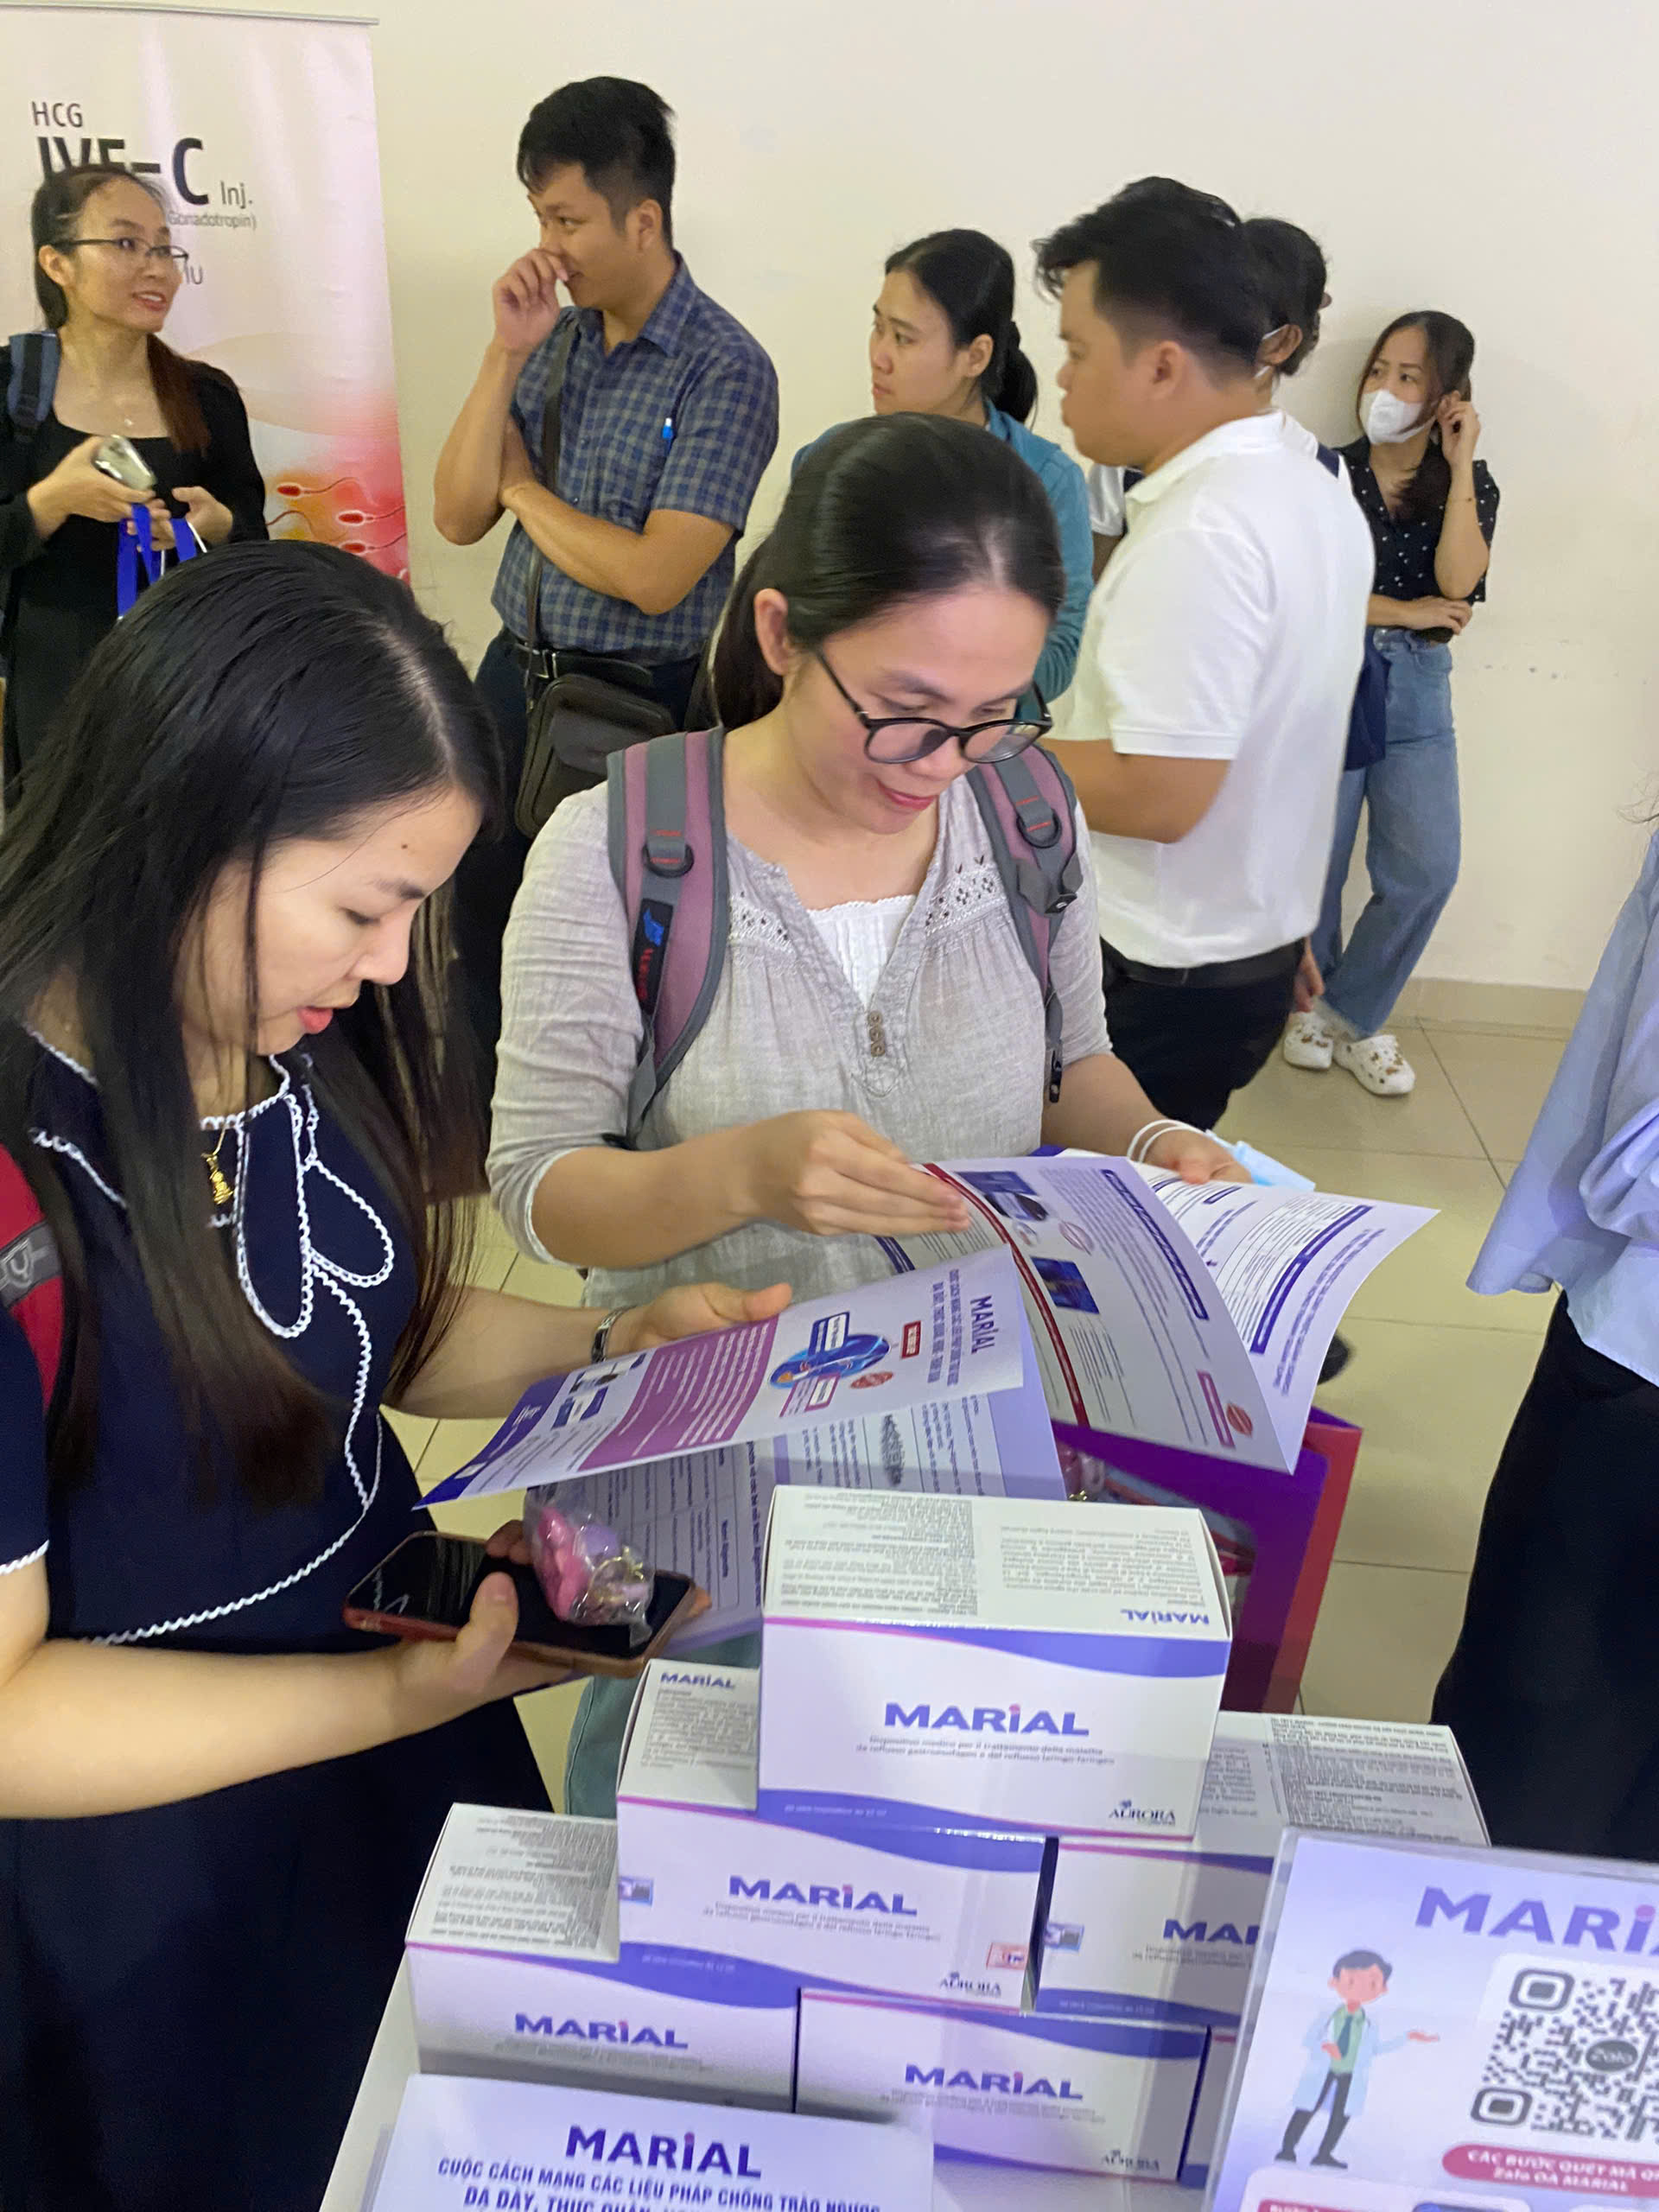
668	857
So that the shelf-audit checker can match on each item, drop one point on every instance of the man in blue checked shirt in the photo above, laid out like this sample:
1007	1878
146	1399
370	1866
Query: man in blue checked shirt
669	415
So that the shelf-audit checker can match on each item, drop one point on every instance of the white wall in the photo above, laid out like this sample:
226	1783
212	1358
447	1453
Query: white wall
1494	157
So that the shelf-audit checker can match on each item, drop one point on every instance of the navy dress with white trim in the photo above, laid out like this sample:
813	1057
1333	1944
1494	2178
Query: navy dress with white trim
188	1994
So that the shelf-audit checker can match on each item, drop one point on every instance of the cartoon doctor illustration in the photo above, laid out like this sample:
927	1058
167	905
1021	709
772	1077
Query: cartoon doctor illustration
1341	2046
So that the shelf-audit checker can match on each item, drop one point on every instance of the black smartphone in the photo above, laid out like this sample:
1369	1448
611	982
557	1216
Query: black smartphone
425	1590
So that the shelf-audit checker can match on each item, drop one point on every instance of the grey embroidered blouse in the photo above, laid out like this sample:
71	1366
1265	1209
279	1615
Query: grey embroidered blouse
947	1059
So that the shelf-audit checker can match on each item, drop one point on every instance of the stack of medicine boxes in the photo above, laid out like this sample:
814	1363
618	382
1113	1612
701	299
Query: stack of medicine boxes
946	1686
977	1724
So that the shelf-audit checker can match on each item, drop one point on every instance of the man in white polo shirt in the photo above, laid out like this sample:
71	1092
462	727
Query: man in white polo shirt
1210	711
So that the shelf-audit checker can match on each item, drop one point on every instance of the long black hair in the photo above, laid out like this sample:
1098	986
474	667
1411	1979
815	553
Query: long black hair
969	278
1449	353
1290	268
893	508
266	693
54	216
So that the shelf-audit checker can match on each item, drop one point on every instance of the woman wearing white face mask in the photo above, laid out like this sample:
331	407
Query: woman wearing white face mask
1432	507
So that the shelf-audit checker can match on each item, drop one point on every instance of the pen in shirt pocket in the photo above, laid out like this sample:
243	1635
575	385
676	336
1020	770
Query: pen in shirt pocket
667	430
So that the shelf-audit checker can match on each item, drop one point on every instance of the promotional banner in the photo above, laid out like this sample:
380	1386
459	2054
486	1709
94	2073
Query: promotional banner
259	132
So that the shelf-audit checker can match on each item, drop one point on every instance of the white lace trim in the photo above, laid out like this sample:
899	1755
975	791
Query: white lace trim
58	1053
748	923
973	888
284	1084
48	1143
11	1566
315	1268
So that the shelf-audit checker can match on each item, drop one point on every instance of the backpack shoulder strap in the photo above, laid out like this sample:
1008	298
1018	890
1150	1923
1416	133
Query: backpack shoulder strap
31	380
1029	810
31	1280
667	824
1331	458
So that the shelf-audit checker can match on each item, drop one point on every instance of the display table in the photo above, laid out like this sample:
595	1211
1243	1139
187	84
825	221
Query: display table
956	2188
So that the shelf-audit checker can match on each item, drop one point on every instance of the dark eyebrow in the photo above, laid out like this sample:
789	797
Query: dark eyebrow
395	887
897	321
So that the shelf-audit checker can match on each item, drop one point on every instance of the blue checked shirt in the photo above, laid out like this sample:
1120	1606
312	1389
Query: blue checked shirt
683	416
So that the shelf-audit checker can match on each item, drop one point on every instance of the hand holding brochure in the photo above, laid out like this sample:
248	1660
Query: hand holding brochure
949	1347
1196	1315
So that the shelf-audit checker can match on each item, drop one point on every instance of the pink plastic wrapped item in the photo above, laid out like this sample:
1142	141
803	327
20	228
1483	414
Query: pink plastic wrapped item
590	1576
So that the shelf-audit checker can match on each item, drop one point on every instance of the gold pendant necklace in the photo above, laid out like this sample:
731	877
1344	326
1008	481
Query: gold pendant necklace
218	1182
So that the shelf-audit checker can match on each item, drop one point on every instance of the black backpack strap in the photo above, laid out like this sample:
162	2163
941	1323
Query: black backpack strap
31	380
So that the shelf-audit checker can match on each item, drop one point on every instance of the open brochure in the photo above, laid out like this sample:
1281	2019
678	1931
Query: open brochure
929	1383
1196	1315
933	1381
931	1373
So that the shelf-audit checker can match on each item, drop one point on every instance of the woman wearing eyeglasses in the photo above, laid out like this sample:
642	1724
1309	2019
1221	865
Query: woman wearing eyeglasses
874	1008
107	272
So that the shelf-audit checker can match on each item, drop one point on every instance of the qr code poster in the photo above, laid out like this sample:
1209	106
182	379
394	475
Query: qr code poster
1401	2056
1570	2054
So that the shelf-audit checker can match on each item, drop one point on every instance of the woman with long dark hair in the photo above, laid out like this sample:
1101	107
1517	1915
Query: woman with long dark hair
222	1074
943	341
107	272
874	1006
1432	507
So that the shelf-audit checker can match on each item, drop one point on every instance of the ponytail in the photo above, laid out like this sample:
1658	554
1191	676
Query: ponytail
969	277
175	382
1015	392
883	512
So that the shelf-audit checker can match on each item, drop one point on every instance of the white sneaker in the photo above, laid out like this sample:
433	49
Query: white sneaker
1377	1065
1307	1042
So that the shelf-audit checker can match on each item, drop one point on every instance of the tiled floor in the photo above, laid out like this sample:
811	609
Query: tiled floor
1437	1372
1436	1376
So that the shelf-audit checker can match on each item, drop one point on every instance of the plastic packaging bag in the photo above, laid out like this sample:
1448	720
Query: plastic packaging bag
590	1576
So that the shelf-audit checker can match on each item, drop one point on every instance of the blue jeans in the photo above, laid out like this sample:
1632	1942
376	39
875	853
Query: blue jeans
1412	840
595	1750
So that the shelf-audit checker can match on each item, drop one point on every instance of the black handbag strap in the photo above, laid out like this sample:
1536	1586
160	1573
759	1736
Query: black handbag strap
552	431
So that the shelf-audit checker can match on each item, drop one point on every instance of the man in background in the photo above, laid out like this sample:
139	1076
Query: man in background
667	414
1211	707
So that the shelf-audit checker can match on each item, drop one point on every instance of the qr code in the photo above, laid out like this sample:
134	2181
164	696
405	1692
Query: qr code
1573	2051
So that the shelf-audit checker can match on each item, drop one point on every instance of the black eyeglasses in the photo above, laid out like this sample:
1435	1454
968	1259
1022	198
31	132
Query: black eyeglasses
894	740
132	249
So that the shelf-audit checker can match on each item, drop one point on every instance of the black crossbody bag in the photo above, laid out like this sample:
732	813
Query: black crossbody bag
573	720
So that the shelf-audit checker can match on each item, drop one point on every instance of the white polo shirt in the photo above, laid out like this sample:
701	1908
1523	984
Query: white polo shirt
1228	627
1106	493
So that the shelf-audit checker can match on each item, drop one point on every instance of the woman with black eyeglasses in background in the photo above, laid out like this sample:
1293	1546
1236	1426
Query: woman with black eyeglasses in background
874	1006
107	272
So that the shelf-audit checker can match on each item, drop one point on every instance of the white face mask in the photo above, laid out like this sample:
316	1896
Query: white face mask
1390	421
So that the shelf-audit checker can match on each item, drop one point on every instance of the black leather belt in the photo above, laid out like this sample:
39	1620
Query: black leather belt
546	664
1218	975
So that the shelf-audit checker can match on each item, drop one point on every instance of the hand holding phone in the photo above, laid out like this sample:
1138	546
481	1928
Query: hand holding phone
119	460
443	1590
78	487
437	1681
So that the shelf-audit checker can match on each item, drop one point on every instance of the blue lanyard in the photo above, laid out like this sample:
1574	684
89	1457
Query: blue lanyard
137	544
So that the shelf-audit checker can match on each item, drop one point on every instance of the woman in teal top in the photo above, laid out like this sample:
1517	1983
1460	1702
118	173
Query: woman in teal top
944	342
